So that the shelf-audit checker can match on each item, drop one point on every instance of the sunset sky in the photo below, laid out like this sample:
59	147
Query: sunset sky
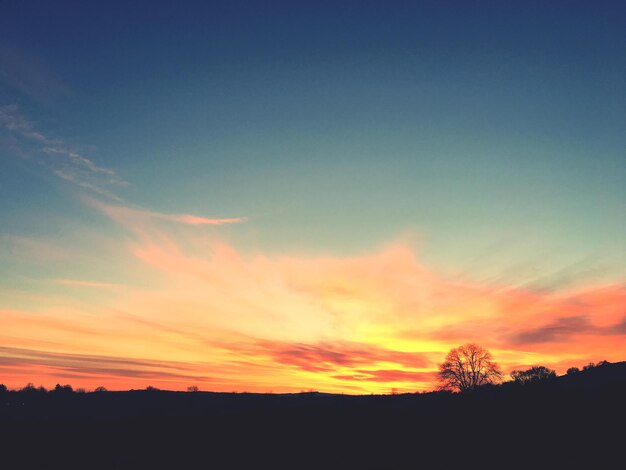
285	196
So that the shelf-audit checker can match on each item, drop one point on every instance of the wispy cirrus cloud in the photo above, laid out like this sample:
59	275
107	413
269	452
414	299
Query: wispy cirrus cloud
78	178
70	164
62	160
133	216
83	162
15	122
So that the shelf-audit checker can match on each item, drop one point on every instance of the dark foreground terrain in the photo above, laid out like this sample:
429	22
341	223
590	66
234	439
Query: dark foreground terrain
573	421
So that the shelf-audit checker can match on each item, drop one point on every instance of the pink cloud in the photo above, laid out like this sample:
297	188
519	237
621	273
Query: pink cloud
197	220
130	216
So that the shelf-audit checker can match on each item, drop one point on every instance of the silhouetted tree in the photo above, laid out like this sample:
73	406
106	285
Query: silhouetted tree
534	374
591	365
3	388
100	389
193	388
468	367
573	370
31	389
150	388
63	389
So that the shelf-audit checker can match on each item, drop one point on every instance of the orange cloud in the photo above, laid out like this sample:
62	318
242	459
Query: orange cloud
390	376
200	312
327	357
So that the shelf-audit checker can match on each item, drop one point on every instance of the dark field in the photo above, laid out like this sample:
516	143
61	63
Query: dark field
573	421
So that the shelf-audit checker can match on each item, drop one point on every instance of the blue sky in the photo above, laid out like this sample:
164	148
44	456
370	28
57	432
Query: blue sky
334	127
284	196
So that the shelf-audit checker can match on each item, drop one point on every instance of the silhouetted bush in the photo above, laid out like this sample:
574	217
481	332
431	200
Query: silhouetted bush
534	374
100	389
63	389
30	389
591	365
573	370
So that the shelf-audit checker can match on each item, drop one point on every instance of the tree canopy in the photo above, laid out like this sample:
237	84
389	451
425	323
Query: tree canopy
534	374
468	367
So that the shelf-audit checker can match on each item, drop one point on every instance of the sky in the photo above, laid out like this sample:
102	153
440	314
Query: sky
286	196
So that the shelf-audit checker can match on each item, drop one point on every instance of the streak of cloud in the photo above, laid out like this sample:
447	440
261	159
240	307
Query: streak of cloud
133	217
62	161
83	283
327	357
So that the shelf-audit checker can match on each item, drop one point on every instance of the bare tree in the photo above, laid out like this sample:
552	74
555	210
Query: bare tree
468	367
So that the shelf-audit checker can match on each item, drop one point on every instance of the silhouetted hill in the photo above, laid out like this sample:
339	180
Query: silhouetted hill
572	421
605	375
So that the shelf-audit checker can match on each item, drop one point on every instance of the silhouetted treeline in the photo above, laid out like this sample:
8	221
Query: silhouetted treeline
571	421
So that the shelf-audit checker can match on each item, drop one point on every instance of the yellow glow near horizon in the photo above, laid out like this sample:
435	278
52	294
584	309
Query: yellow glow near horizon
198	312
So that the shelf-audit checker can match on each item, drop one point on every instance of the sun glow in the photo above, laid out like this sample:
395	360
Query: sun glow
201	313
